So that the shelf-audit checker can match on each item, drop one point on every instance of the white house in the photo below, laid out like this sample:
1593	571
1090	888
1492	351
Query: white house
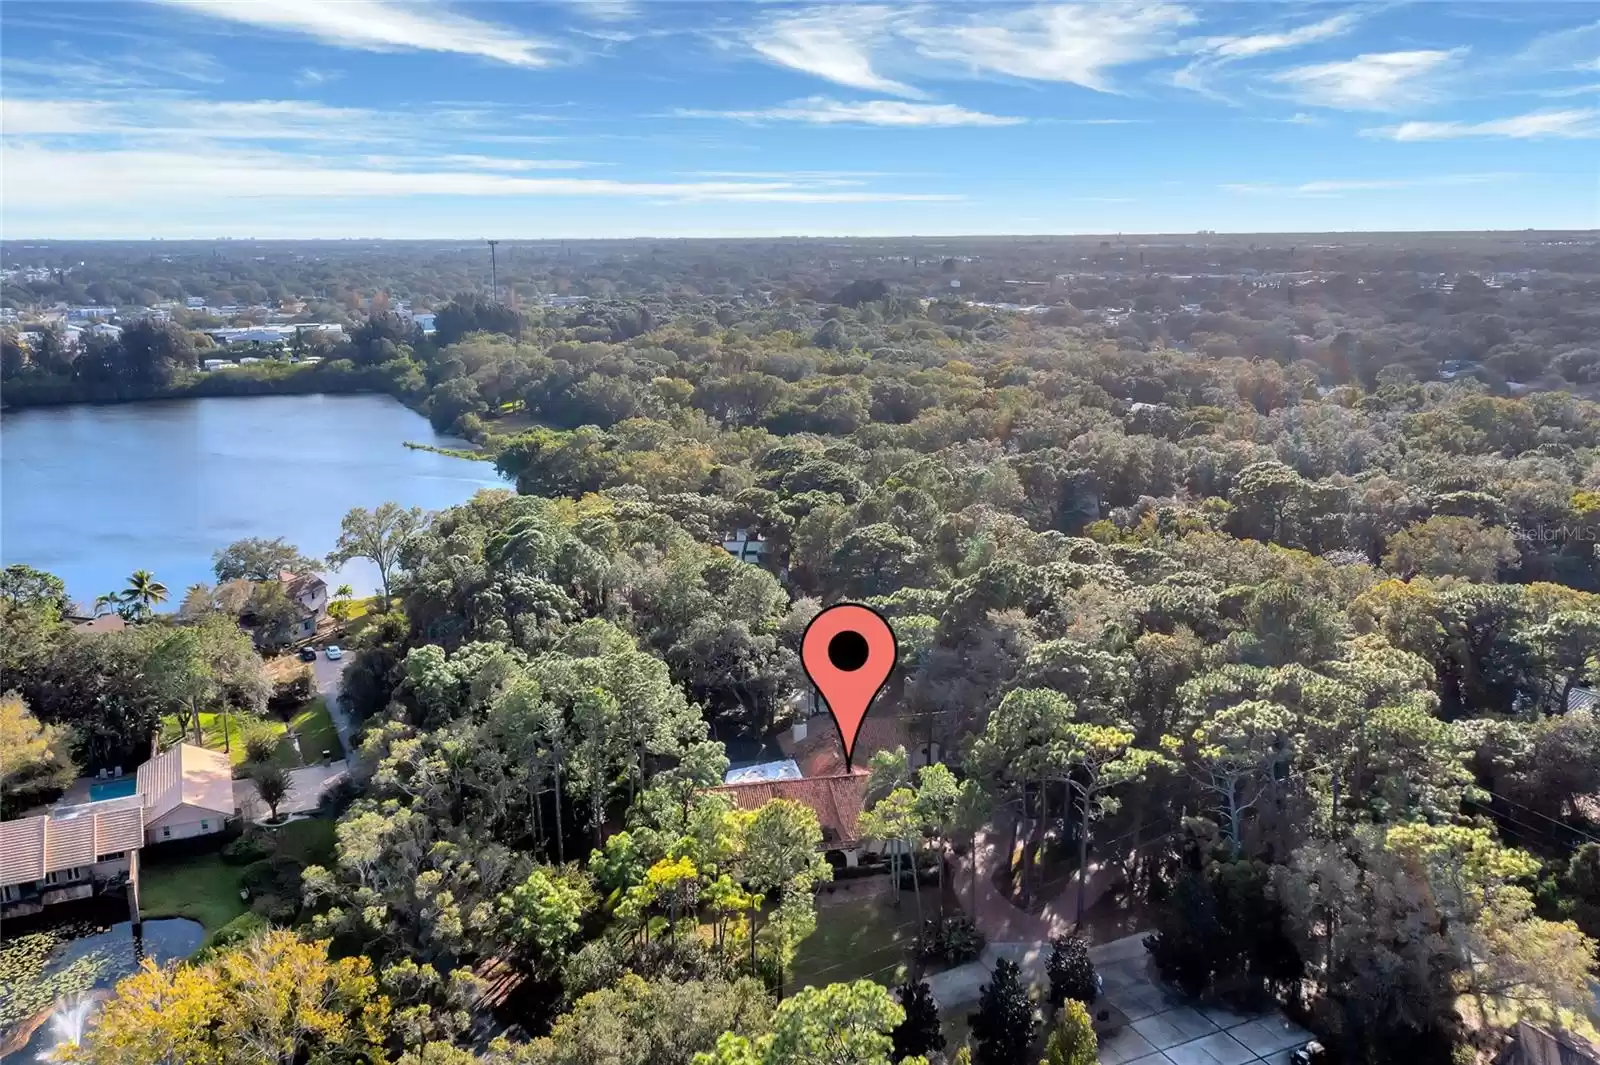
187	791
310	593
744	545
84	849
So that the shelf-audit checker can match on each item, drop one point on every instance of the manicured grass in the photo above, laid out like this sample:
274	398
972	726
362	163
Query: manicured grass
312	723
862	939
211	729
309	840
315	729
203	888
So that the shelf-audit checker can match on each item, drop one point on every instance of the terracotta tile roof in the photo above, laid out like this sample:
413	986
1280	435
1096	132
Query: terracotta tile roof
34	847
836	799
821	753
186	774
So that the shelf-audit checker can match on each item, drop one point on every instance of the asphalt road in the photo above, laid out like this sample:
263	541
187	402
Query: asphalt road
330	682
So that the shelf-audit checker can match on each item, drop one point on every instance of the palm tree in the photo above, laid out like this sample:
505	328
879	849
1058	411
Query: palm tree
344	591
144	591
106	604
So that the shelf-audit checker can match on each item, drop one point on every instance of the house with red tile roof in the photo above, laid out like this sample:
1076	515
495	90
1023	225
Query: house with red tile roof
836	798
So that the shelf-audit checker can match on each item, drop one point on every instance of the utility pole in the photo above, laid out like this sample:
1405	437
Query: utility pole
494	275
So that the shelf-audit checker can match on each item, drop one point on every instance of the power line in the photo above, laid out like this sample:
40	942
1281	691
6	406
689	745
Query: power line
1562	824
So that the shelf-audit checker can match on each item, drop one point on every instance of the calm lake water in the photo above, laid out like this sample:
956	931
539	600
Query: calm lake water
92	493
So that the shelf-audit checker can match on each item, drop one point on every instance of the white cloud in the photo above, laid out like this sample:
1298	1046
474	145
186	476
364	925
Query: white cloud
1337	187
476	162
1216	53
1592	89
163	116
1573	124
833	43
1078	43
37	178
379	26
821	111
310	77
1262	43
607	10
1376	81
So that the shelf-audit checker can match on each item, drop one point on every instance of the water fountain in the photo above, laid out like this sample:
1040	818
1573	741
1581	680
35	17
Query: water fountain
68	1022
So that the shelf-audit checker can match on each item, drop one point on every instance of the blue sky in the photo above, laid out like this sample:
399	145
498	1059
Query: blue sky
607	118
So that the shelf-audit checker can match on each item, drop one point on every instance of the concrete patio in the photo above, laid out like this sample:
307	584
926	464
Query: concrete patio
1165	1030
1161	1028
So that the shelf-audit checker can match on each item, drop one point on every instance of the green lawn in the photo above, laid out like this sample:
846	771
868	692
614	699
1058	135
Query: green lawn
859	939
203	888
211	729
312	723
315	729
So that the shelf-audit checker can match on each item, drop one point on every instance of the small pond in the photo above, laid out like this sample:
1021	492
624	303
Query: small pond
49	974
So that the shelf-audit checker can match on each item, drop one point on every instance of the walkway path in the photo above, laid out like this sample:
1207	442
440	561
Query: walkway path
1000	920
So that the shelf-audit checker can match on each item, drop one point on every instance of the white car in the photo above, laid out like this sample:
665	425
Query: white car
334	653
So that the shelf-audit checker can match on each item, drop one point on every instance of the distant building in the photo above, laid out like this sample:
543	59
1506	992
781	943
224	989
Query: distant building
309	592
97	623
763	771
194	303
744	545
85	314
425	322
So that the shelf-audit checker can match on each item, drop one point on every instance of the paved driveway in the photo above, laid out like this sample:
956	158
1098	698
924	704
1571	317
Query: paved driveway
306	786
329	676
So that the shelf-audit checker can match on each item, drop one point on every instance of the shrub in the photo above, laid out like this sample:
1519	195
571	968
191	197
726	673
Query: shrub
1072	1040
952	940
248	848
260	745
1004	1026
1071	971
919	1034
243	927
290	695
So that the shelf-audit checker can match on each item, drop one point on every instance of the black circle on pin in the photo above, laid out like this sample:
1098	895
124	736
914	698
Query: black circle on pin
847	650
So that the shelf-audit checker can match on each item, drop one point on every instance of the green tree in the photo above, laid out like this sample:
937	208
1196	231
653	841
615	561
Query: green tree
1071	971
1004	1027
919	1034
143	592
651	1022
256	558
272	784
25	586
541	917
37	760
380	536
840	1024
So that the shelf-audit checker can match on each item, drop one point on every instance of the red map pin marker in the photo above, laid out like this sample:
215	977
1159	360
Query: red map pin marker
848	652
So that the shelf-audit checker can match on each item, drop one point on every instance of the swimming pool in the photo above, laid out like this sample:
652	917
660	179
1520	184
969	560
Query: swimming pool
112	789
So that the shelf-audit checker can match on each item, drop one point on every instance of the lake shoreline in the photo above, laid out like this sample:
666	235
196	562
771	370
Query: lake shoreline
92	491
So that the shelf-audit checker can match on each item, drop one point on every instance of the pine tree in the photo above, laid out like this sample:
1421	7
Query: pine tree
1004	1026
1071	971
1072	1041
919	1034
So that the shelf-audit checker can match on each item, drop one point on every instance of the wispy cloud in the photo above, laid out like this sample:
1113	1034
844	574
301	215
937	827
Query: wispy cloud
1330	188
1078	43
39	178
311	77
1571	124
379	26
821	111
1592	89
606	10
1256	44
1217	53
1376	81
832	43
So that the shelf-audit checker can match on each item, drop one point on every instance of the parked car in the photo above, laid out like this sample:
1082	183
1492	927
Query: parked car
308	653
334	653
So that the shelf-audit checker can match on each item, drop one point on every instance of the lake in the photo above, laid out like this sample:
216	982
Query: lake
92	493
